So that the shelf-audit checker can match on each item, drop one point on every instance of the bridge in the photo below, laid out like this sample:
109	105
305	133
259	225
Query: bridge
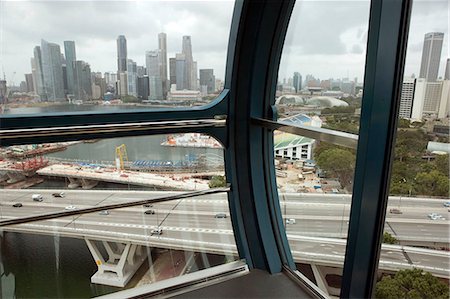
189	224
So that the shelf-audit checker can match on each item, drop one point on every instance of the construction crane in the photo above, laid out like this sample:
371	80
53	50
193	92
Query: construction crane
121	156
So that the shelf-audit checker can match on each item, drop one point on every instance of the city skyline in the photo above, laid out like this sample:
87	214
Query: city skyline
96	42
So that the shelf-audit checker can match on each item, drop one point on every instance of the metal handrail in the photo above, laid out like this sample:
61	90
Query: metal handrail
111	128
66	213
326	135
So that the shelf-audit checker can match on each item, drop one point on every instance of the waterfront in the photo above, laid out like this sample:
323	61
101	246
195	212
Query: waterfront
29	261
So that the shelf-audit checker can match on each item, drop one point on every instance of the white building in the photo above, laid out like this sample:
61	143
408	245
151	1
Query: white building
407	97
183	95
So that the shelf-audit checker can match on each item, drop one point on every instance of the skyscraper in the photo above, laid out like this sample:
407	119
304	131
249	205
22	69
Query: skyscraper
188	69
297	82
447	70
82	80
173	70
153	64
180	67
132	77
71	57
162	46
36	70
207	79
407	97
29	81
431	56
52	71
121	54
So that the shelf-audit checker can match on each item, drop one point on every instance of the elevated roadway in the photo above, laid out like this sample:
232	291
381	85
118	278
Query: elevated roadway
190	224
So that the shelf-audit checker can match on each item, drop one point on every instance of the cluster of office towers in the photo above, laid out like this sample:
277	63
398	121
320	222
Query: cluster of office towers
56	76
427	95
153	79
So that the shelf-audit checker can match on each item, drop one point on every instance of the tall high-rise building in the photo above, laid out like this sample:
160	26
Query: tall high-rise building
431	56
188	69
82	80
122	84
153	64
447	70
207	79
121	54
132	77
444	105
407	97
180	67
71	57
143	88
297	82
52	71
29	82
173	70
36	71
162	46
432	98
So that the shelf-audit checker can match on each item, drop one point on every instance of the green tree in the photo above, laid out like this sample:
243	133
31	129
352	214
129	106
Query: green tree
389	239
413	283
432	183
403	123
339	163
217	181
442	164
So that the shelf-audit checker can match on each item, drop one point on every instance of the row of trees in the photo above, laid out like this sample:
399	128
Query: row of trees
411	173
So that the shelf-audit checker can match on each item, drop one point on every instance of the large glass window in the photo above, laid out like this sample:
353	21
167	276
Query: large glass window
111	249
320	86
417	227
110	56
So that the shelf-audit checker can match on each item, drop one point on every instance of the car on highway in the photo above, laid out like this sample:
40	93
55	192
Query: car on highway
290	221
17	205
58	194
150	212
220	215
105	212
70	208
148	205
156	231
395	211
37	197
447	204
435	216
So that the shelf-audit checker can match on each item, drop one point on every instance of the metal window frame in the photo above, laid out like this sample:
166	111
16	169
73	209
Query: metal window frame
385	59
255	46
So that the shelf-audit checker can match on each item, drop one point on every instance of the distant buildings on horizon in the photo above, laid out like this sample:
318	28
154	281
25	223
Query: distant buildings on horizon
57	76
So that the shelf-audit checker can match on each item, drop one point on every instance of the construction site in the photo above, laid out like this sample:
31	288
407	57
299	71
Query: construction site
29	165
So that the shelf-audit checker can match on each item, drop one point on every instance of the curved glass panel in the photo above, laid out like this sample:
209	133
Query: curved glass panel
109	56
111	249
320	86
417	226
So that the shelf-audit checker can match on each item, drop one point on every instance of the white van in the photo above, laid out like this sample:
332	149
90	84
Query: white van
37	197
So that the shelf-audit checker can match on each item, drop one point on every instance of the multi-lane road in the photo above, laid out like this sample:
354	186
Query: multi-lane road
321	223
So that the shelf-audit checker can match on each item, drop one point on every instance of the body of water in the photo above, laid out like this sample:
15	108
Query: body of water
37	266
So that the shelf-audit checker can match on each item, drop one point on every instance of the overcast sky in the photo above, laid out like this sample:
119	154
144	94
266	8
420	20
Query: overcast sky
325	38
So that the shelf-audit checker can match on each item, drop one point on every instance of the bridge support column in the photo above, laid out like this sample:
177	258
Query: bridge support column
14	177
73	183
124	259
320	279
88	184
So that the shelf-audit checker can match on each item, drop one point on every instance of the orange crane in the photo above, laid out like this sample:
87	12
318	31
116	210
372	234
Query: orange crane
121	156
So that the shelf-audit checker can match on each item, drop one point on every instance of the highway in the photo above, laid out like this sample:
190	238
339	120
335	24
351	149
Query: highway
190	224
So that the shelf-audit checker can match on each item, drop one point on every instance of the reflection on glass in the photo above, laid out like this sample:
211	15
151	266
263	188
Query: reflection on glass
320	84
51	64
112	249
417	226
